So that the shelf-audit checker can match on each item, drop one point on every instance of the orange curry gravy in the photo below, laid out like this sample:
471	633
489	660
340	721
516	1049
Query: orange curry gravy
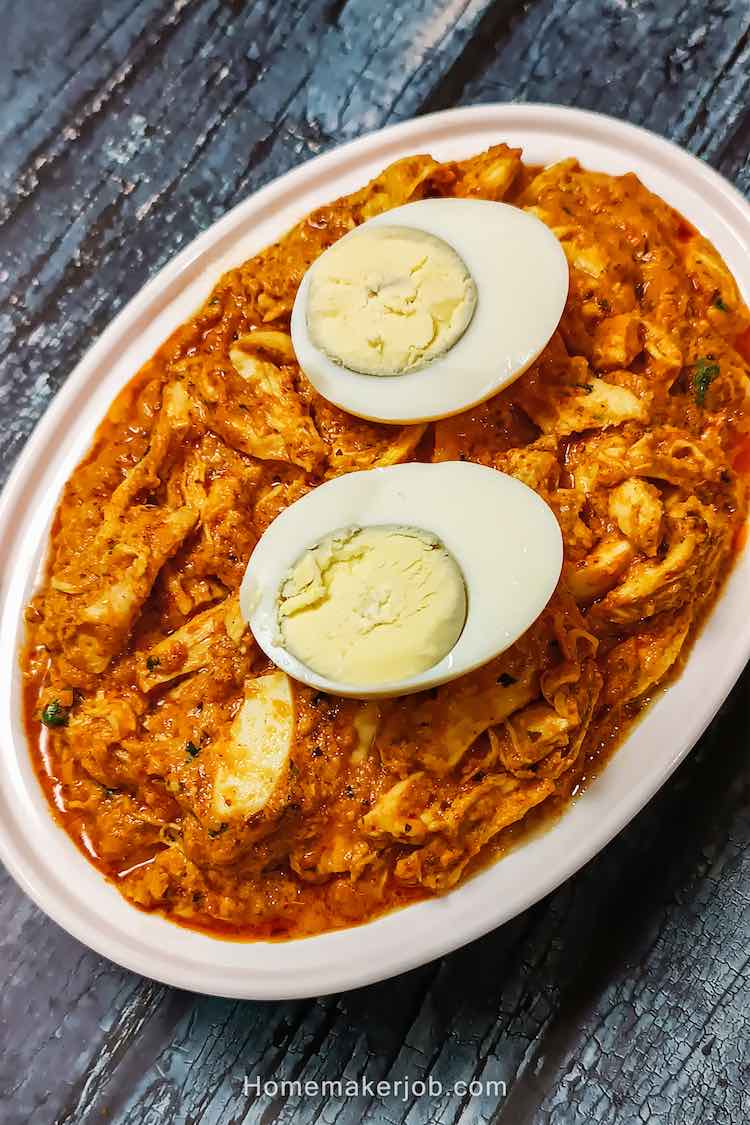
634	427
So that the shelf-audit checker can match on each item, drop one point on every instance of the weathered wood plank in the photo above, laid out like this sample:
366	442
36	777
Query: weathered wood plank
678	68
127	128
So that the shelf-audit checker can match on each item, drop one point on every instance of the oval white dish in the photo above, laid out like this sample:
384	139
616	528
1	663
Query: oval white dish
39	854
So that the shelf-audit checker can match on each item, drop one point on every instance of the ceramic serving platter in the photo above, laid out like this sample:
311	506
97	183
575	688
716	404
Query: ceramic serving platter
40	855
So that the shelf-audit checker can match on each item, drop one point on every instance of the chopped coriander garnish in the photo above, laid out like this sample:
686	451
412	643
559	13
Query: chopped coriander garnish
704	374
192	749
719	304
152	662
55	715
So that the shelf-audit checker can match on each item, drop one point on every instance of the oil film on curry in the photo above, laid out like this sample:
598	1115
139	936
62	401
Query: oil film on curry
209	785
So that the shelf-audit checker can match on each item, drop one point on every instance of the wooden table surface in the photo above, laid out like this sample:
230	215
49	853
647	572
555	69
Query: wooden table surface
127	127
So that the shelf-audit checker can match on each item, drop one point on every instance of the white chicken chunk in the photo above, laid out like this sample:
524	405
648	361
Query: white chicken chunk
190	647
663	452
600	569
397	813
355	445
448	723
663	351
637	509
695	538
105	602
253	759
594	405
462	830
617	341
269	422
641	661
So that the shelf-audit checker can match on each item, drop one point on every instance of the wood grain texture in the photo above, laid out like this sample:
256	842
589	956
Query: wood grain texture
127	127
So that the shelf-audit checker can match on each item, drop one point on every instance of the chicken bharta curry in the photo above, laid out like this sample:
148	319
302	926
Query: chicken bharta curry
210	787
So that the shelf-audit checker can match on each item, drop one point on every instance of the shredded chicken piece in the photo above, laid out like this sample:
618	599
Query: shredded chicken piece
637	509
99	607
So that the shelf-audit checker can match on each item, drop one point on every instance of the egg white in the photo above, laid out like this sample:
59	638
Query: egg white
503	536
521	275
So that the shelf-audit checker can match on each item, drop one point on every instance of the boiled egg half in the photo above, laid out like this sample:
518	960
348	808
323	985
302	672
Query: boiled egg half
394	580
429	309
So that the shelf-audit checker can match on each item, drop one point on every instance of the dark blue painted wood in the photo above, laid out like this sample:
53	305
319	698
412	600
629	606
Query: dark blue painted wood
127	126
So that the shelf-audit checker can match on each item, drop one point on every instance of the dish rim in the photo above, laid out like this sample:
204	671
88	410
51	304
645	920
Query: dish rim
88	907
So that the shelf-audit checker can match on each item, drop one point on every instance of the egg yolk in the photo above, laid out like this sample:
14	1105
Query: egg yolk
387	300
372	605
